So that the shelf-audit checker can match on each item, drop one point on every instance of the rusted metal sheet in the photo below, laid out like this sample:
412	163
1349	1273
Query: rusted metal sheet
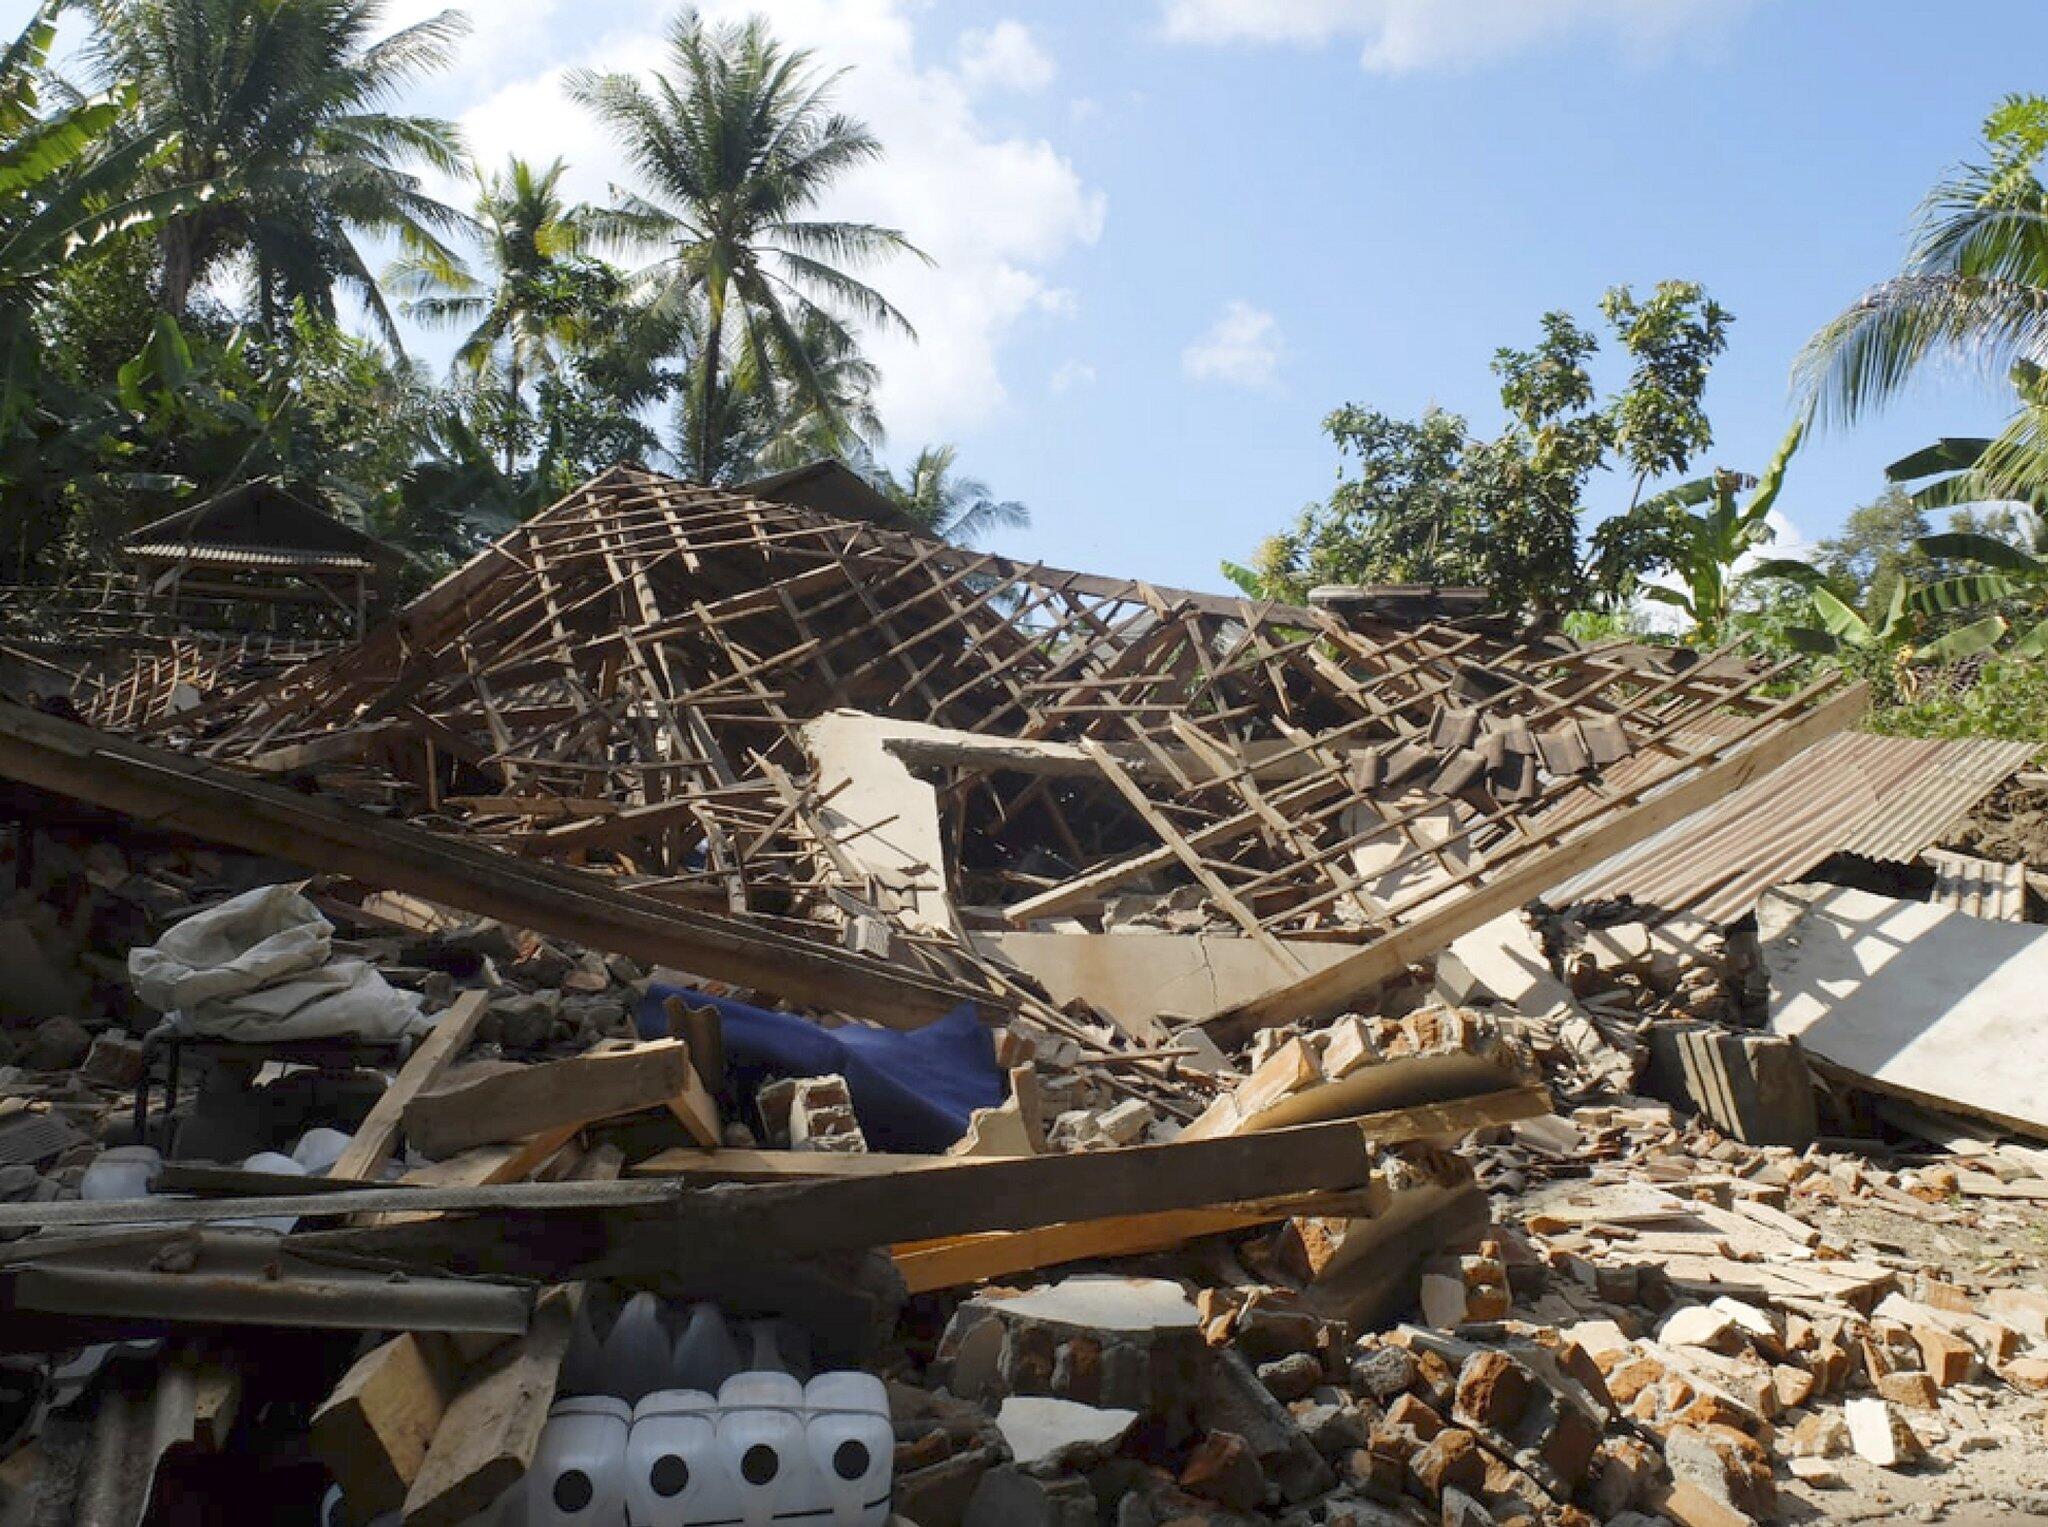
1879	797
1954	778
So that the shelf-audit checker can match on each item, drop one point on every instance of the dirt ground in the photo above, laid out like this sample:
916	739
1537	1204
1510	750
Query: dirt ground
2011	824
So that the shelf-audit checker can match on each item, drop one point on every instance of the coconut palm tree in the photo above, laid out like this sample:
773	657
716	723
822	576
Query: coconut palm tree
957	509
1974	289
735	145
533	305
287	106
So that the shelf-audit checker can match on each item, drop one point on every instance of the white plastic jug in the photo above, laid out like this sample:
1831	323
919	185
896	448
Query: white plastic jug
637	1352
761	1442
279	1165
675	1475
705	1353
578	1474
319	1149
126	1171
853	1446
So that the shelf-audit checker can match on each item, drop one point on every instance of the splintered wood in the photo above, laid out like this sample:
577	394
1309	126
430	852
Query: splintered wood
623	683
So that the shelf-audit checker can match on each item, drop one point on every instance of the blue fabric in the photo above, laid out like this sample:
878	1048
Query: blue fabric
912	1091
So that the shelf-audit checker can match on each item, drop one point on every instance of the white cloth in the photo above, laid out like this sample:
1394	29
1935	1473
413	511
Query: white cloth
257	969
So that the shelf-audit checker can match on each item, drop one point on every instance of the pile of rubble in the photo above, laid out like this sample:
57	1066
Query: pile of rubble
560	1061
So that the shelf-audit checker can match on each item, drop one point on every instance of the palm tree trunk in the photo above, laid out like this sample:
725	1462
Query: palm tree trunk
512	416
707	380
176	241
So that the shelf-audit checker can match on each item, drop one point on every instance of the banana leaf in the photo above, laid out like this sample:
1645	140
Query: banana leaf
1840	622
1787	567
1970	546
1968	641
1951	453
1965	593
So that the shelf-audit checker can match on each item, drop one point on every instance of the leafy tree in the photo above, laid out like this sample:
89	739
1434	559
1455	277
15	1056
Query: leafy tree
286	105
71	178
1427	503
1876	551
765	420
948	506
1407	514
73	183
736	145
1674	337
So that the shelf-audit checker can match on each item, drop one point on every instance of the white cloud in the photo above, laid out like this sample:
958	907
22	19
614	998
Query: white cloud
1004	57
1068	375
1242	347
1397	36
996	212
504	36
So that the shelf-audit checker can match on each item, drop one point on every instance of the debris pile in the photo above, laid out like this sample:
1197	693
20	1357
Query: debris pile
724	1010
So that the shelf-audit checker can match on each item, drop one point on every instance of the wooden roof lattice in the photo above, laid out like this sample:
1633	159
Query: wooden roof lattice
624	680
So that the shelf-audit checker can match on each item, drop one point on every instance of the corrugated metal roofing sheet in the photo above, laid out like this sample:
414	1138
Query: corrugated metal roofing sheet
1918	814
249	556
1880	797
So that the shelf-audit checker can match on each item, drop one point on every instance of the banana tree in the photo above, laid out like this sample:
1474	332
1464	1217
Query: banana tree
1704	549
1959	471
1842	633
2009	574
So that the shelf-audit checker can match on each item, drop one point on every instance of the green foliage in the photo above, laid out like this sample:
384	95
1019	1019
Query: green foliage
72	178
2008	699
1973	290
1429	504
2010	574
172	252
1876	550
1701	533
1674	336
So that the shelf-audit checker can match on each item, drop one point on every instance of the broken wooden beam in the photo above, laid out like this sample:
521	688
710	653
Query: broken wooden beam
489	1432
371	1147
374	1430
488	1105
180	794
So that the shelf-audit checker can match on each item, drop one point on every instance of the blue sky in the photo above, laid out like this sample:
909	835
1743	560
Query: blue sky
1173	234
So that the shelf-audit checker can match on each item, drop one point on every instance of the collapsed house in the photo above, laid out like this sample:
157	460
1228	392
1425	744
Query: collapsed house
793	919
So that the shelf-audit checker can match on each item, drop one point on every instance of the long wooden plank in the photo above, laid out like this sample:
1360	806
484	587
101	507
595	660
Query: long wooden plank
371	1147
181	794
928	1265
785	1166
976	1194
716	1233
1331	989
